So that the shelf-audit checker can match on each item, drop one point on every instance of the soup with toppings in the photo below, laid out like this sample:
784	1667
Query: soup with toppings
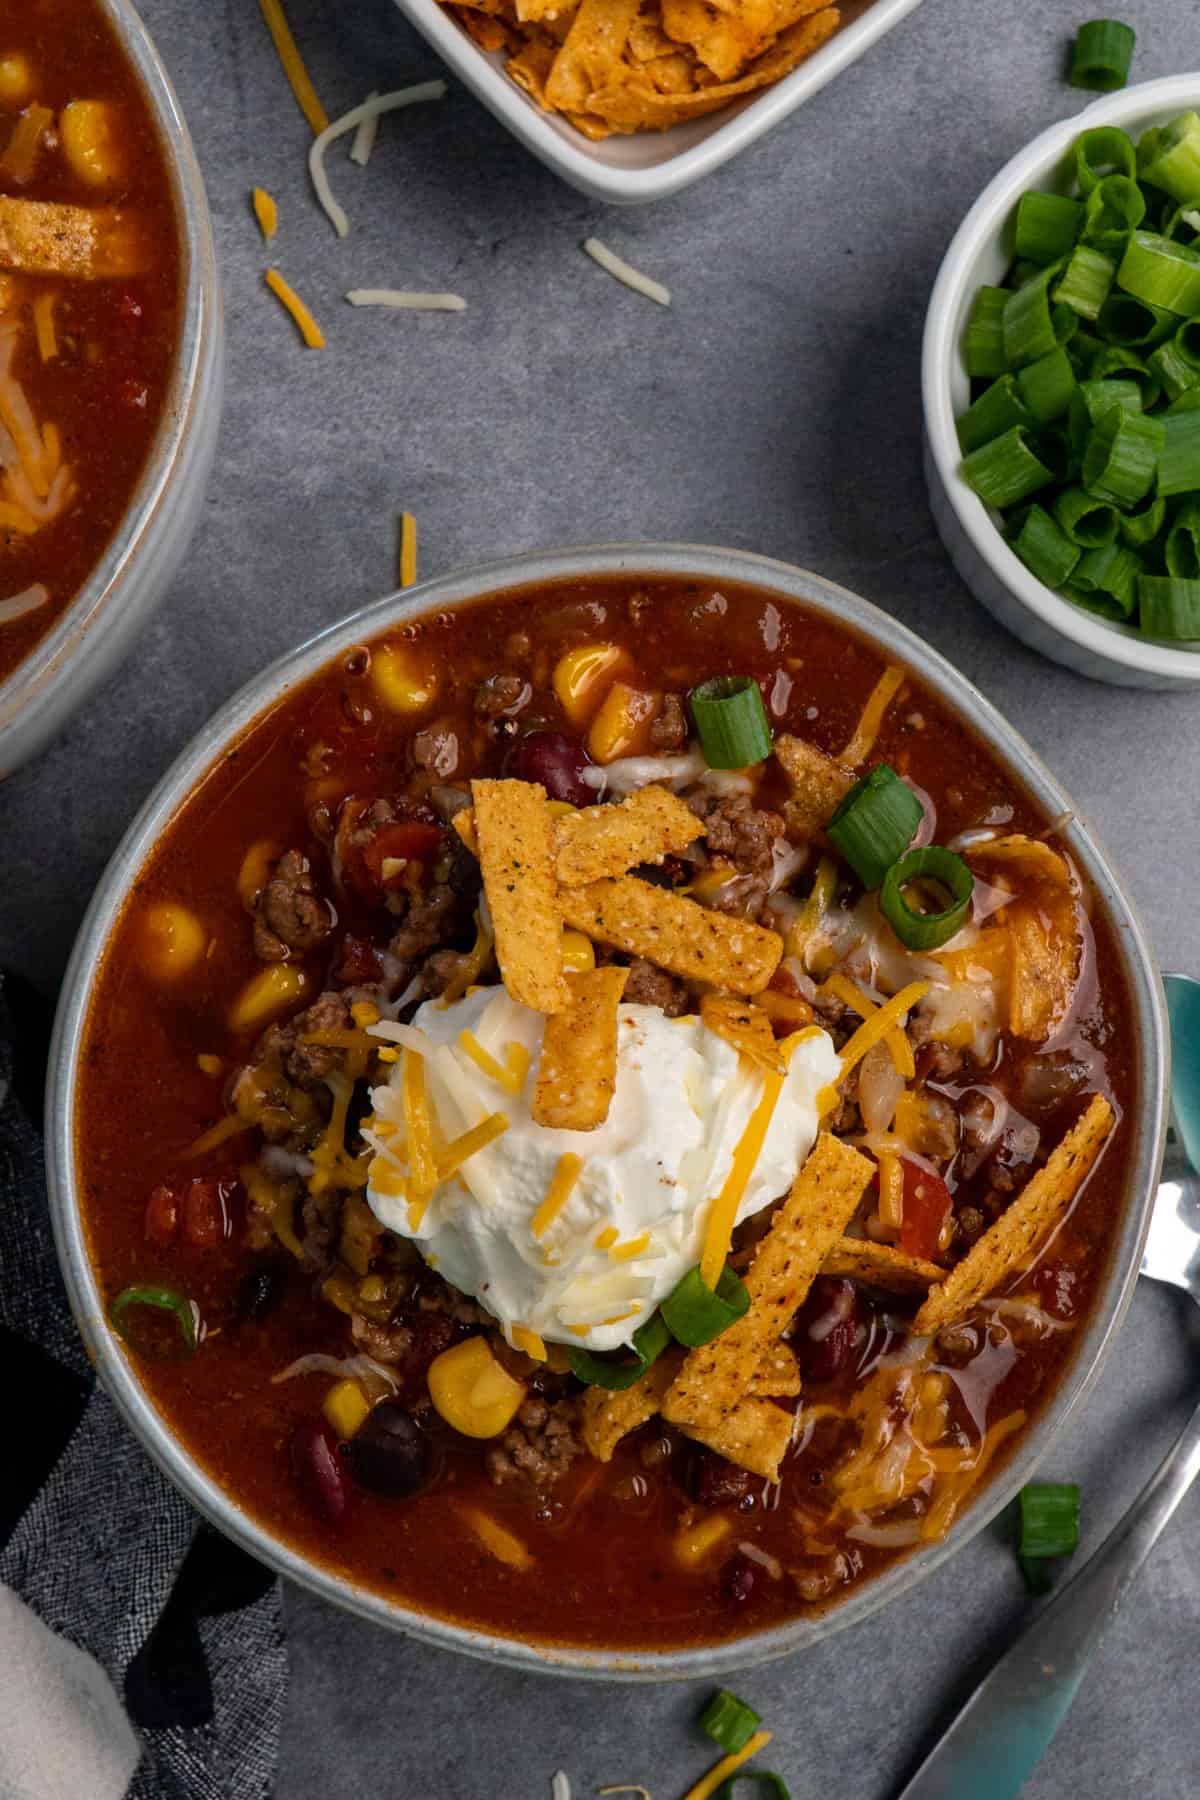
602	1117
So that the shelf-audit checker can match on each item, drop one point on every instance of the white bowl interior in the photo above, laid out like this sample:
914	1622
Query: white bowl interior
979	255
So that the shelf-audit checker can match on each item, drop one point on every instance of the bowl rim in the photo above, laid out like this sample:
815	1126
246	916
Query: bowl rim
268	688
579	163
982	223
78	651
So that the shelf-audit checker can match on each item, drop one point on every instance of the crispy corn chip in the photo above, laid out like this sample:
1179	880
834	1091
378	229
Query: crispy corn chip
609	1416
754	1434
1006	1245
746	1027
513	825
591	56
777	1376
882	1266
724	41
464	824
824	1197
626	110
1045	933
1030	857
601	841
647	40
675	933
577	1075
530	69
670	74
817	783
535	12
489	32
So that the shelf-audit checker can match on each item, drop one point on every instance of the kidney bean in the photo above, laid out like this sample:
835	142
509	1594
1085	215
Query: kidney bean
206	1218
831	1311
390	1455
556	761
162	1216
1055	1284
738	1579
260	1290
712	1481
319	1470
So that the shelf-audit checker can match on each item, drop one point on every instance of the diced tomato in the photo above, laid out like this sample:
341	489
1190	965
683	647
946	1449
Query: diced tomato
926	1204
162	1216
408	841
130	310
206	1218
359	962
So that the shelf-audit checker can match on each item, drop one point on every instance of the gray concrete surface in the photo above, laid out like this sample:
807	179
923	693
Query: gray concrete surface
775	406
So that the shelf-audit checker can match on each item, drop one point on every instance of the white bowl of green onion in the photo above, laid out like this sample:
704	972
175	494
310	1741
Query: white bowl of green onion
1061	389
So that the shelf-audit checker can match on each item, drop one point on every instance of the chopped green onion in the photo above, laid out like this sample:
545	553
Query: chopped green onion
1188	401
1103	151
1087	521
1102	54
1121	457
1047	226
1085	284
1183	224
1046	551
1083	348
1142	524
998	408
921	930
729	1722
1160	272
1181	550
695	1314
983	340
1033	328
1038	1579
1045	388
1090	402
731	721
1005	470
763	1781
874	823
1112	571
1115	363
1179	458
158	1299
1049	1519
1169	157
1170	607
1129	322
1115	207
1175	372
649	1342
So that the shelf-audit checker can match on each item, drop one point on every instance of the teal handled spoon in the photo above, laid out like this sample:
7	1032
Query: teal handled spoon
998	1737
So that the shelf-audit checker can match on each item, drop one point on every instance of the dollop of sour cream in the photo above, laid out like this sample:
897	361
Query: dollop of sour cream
682	1102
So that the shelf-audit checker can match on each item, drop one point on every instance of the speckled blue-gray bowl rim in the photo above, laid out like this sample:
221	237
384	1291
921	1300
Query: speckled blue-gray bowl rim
629	562
97	628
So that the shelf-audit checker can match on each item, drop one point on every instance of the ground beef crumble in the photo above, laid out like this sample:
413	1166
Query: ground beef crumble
740	832
290	917
649	985
539	1445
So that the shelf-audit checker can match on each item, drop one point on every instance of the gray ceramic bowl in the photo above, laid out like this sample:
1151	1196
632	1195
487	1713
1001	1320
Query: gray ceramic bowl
1148	1022
97	629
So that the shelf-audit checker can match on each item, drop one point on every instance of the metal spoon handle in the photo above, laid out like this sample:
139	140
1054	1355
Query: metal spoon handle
997	1738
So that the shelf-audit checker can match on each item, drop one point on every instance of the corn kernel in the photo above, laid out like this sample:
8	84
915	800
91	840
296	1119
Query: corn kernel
692	1546
402	682
340	1292
255	871
577	952
372	1289
90	131
558	809
364	1013
209	1065
582	677
173	941
345	1406
619	728
710	881
16	76
472	1391
269	992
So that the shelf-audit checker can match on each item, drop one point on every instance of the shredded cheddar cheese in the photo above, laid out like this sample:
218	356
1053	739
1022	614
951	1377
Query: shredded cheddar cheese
266	212
874	1030
408	550
721	1218
720	1772
558	1193
606	1238
419	1126
806	928
529	1342
219	1133
631	1249
506	1075
849	992
293	65
43	324
292	304
867	730
449	1160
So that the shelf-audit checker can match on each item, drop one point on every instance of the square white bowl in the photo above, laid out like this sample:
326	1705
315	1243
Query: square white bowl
644	165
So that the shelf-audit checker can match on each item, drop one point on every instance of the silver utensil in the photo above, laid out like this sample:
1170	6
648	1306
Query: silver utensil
1002	1731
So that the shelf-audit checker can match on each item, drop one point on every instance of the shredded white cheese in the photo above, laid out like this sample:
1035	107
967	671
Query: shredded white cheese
560	1787
25	602
623	271
383	103
405	301
364	137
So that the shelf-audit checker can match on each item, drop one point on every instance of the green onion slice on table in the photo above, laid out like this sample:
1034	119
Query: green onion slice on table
919	930
729	1722
695	1313
1047	1526
649	1342
131	1300
763	1782
731	721
874	823
1101	55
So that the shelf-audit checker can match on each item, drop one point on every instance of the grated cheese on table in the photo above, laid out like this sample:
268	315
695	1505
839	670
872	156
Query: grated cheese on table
382	103
406	300
623	271
364	137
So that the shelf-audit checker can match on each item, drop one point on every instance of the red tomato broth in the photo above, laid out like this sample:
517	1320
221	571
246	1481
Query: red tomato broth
605	1574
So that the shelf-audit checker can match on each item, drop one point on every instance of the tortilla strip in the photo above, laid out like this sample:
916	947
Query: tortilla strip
1032	856
624	109
514	829
84	243
724	41
1005	1246
609	1415
746	1027
823	1200
817	783
590	56
882	1265
577	1074
777	1376
754	1434
530	69
675	933
601	841
1045	933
